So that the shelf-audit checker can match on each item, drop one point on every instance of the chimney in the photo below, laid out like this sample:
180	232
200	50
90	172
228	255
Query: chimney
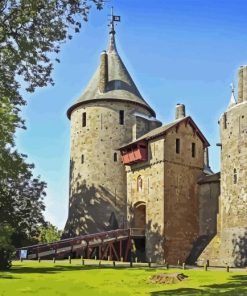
240	85
103	76
180	111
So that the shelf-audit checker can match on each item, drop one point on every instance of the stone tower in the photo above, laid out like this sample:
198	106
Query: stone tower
230	244
109	113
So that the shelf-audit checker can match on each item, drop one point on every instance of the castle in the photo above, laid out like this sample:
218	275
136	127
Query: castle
127	170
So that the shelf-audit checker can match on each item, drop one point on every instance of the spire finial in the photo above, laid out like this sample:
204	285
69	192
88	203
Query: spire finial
113	19
232	99
112	29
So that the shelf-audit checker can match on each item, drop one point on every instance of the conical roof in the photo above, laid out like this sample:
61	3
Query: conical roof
120	86
232	99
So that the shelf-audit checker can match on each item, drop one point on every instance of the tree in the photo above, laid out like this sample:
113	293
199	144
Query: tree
6	247
49	233
21	197
31	33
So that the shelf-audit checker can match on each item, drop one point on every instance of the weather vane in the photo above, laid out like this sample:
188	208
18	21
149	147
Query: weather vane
113	19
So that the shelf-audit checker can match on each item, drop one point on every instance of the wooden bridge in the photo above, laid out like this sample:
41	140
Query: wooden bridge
114	244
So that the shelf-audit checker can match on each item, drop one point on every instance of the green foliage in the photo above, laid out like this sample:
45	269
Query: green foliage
31	30
21	196
49	233
6	247
31	33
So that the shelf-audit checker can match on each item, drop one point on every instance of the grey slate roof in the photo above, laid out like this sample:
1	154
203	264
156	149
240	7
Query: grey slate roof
155	132
161	130
120	85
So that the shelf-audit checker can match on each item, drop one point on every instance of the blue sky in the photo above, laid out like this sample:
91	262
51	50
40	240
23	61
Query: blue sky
177	51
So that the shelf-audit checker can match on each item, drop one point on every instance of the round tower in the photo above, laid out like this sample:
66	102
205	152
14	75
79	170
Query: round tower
102	120
233	200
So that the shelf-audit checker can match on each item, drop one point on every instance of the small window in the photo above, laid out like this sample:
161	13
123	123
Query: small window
193	149
139	183
84	119
82	158
177	146
121	117
115	156
235	176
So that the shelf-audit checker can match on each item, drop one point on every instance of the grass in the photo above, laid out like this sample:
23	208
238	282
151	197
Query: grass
48	279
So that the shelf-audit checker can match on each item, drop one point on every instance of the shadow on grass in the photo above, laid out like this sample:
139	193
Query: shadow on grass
61	268
236	286
7	277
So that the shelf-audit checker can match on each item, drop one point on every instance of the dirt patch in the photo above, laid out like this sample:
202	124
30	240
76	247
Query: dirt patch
167	278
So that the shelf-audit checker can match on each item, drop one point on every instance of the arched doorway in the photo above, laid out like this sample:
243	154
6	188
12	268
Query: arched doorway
140	222
140	215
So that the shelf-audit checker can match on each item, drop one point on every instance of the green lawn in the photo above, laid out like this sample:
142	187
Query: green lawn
62	278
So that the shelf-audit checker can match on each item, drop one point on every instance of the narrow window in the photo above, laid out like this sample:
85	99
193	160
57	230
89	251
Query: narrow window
139	183
193	149
235	176
115	156
121	117
225	120
84	119
177	146
82	158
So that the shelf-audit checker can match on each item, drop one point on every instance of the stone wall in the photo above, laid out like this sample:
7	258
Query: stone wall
152	193
208	195
98	194
144	125
229	246
170	194
181	199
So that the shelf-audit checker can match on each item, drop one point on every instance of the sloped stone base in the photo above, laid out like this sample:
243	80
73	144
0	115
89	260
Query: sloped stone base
227	248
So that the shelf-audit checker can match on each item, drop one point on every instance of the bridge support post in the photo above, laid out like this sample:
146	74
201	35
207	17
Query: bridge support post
120	248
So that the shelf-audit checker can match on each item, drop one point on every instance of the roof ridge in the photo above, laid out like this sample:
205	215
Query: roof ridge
164	128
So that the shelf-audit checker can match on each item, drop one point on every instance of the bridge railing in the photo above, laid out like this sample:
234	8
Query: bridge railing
137	232
70	242
67	245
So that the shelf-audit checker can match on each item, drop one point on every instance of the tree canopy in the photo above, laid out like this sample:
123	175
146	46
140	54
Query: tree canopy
31	34
49	233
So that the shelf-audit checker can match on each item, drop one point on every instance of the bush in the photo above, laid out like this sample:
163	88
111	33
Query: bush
6	248
49	233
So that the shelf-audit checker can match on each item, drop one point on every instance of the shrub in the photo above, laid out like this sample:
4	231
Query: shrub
6	247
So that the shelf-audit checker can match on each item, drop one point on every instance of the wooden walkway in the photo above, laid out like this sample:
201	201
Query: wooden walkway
112	245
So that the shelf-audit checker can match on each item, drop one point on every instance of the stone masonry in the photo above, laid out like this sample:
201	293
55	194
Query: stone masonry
98	184
229	246
110	112
128	171
169	191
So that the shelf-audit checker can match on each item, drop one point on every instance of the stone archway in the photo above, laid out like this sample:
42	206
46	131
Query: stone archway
140	215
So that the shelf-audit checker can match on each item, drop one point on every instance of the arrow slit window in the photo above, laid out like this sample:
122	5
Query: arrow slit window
121	117
235	176
177	146
84	119
193	150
